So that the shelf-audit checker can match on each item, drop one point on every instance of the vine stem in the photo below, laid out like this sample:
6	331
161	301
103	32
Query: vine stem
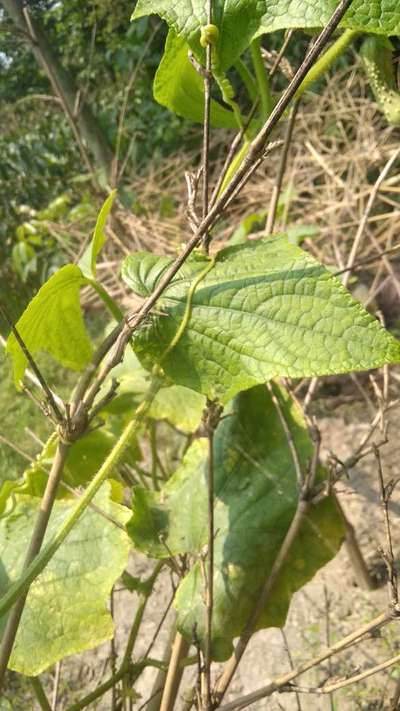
262	78
206	127
332	53
39	562
35	545
180	649
273	206
41	697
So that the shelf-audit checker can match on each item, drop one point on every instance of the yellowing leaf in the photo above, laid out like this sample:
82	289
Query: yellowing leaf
53	322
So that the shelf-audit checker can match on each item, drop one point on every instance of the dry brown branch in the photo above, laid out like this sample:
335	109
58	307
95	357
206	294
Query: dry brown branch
285	679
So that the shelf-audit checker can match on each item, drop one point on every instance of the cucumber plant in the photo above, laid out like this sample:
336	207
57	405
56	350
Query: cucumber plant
246	515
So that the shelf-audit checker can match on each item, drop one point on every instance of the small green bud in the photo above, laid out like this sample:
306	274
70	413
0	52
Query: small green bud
209	35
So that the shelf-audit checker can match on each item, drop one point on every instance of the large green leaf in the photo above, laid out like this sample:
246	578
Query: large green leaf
255	500
239	21
266	309
66	610
53	322
179	87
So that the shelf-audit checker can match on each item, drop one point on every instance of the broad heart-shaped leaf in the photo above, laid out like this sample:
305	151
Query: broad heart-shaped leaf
255	500
179	87
53	322
266	309
88	260
239	21
66	610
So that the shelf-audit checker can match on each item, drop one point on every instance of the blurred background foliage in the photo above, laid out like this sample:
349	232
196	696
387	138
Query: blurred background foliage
43	176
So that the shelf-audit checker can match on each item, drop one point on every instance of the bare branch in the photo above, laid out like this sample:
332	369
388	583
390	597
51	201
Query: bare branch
285	679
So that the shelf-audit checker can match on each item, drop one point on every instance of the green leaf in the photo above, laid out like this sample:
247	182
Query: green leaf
142	270
240	21
255	500
251	223
179	406
179	87
84	459
377	56
66	610
266	309
87	263
237	20
53	322
377	16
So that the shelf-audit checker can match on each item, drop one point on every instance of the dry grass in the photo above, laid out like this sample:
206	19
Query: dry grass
340	144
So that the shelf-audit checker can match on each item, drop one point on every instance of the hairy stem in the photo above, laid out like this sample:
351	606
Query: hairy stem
35	545
262	78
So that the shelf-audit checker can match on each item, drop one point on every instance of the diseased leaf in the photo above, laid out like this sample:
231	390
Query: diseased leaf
88	260
266	309
255	500
66	609
179	87
239	21
53	322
